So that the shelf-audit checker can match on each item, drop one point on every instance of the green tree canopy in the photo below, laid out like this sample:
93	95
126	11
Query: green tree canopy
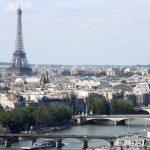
121	106
97	104
23	118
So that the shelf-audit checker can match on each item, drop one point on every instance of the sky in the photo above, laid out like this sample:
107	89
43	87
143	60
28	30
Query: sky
78	32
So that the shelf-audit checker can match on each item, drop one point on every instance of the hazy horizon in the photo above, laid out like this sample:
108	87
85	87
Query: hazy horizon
78	32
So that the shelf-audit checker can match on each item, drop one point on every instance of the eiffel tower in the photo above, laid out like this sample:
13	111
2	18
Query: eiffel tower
19	65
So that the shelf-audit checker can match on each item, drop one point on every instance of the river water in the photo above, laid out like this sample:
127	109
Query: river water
93	129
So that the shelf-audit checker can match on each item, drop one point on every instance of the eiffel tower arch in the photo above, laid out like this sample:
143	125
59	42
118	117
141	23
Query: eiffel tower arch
19	65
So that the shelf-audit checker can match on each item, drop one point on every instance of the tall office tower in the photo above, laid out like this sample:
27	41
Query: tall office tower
19	65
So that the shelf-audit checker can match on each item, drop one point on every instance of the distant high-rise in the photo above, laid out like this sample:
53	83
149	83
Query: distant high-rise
19	65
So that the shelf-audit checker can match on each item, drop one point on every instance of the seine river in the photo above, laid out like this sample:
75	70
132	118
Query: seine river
95	129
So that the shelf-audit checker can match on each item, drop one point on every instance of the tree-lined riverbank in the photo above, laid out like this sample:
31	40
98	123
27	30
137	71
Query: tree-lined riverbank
22	118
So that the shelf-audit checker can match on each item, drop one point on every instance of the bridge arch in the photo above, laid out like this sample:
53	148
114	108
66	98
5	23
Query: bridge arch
99	142
144	110
77	139
76	120
118	121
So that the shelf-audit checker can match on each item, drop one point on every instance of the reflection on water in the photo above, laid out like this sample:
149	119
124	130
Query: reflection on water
75	144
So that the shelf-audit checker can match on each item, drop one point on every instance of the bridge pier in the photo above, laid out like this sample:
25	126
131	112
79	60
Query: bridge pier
84	144
33	141
7	143
59	143
81	120
121	122
111	144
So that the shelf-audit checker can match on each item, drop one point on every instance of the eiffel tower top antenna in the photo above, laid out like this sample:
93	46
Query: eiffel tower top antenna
19	3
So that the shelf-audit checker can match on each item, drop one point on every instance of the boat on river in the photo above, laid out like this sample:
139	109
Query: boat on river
40	145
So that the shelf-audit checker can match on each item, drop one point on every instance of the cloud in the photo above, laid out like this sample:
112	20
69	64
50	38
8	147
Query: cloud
12	6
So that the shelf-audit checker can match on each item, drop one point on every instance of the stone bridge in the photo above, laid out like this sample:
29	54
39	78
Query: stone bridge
117	119
58	138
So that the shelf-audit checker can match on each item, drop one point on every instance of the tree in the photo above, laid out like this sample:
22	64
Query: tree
122	106
97	104
23	118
